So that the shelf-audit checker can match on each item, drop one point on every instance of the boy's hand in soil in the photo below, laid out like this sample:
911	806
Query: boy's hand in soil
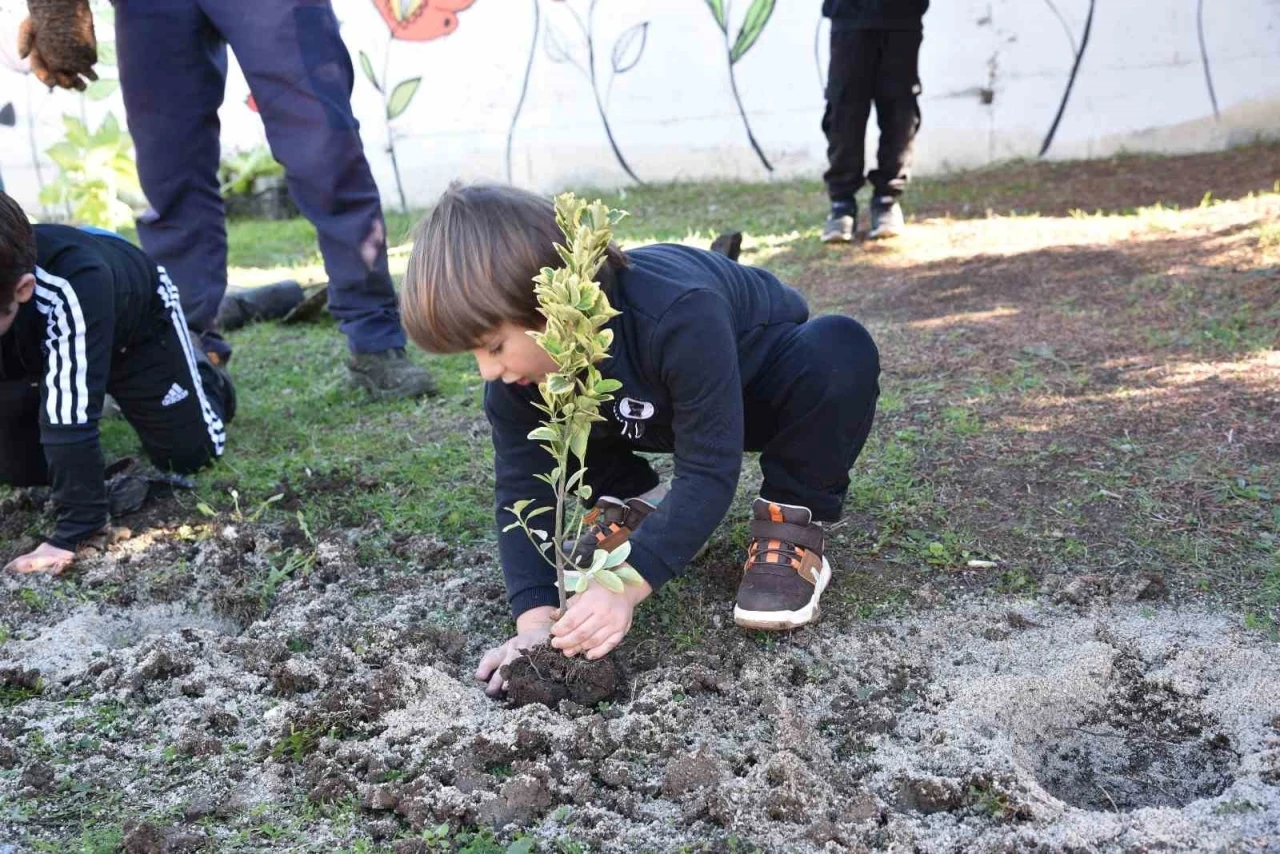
596	621
46	558
532	628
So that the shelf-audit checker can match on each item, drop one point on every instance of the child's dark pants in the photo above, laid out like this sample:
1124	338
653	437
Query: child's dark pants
173	67
880	67
808	413
172	398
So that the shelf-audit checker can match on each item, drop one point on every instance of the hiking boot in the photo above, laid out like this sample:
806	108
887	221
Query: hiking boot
390	375
785	571
841	224
886	217
608	526
728	244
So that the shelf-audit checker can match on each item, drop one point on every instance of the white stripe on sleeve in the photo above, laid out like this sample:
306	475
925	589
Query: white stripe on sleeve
67	375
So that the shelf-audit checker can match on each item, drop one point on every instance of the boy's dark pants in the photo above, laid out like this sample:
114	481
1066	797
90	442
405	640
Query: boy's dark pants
173	67
880	67
183	436
808	413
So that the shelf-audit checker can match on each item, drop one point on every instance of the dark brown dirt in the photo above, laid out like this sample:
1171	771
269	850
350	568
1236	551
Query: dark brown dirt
544	675
1109	185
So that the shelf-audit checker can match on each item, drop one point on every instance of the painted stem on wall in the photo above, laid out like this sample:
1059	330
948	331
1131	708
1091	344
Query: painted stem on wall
1204	59
524	87
753	24
1071	80
627	51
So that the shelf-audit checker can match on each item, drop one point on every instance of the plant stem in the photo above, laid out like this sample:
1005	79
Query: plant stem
595	90
524	88
557	546
733	82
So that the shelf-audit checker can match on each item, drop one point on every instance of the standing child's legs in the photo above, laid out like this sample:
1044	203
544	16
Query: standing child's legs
809	414
173	68
850	89
22	460
898	115
172	395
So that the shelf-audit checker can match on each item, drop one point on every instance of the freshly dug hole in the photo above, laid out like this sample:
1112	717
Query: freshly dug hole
1102	767
544	675
1141	744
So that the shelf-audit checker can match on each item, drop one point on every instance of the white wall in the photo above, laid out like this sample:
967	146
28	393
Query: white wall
1141	86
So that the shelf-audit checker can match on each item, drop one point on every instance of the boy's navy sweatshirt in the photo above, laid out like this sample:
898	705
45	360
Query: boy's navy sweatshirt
695	329
94	297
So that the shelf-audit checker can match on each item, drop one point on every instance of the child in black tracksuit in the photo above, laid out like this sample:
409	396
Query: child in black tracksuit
85	313
875	51
715	358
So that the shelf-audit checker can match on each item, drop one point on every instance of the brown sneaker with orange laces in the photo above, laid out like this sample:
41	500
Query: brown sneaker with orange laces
785	571
607	526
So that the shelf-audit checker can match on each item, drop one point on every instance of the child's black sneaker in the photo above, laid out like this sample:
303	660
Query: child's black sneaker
785	572
886	217
841	223
607	526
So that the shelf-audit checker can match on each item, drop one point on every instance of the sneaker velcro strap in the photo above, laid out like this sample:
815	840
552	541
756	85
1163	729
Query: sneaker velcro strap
806	536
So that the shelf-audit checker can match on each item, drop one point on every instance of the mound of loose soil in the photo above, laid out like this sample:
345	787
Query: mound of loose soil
543	675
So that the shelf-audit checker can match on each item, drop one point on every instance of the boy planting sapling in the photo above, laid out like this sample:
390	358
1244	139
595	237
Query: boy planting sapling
706	359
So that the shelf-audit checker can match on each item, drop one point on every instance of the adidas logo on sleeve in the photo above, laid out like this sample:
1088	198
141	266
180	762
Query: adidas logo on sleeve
175	394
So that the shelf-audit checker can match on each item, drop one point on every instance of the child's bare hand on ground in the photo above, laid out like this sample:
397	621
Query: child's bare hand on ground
46	558
532	628
596	621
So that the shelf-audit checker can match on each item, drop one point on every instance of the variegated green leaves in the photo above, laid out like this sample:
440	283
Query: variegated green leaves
577	311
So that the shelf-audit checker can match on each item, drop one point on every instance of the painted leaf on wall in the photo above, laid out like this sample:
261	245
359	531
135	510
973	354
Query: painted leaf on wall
717	9
367	67
401	96
752	26
629	47
106	53
554	44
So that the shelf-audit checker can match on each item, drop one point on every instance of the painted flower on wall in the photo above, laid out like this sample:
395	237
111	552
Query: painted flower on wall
412	21
421	20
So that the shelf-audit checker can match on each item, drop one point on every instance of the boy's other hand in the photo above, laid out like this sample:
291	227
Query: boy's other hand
532	628
596	621
46	558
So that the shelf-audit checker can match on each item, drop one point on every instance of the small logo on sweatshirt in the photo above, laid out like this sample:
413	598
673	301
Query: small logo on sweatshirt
175	394
632	414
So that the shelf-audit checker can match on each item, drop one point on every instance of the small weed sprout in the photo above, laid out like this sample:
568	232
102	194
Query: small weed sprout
576	310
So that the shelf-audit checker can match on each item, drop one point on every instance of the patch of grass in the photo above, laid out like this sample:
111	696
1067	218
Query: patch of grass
297	745
12	695
105	840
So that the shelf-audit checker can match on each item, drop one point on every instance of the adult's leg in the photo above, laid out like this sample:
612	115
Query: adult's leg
176	400
22	461
850	88
173	66
810	411
897	110
301	76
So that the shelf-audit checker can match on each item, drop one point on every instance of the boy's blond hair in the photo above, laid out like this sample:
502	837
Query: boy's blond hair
473	262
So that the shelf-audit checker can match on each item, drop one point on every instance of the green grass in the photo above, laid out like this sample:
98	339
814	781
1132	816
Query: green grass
338	460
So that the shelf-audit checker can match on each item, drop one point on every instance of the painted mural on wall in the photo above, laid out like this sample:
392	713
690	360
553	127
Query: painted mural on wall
543	92
408	21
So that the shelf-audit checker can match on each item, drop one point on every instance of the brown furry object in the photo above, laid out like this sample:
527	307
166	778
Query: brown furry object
59	39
